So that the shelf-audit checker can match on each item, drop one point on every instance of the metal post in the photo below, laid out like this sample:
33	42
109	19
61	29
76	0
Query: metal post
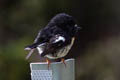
57	71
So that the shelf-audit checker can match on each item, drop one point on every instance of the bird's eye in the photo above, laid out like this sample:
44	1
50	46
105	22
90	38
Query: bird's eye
75	25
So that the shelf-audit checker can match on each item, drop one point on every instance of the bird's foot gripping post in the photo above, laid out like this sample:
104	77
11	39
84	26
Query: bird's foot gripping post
57	70
63	60
48	62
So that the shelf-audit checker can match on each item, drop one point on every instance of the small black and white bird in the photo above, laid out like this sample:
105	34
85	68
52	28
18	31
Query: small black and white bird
56	39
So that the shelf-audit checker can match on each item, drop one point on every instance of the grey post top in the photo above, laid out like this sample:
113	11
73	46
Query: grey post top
57	70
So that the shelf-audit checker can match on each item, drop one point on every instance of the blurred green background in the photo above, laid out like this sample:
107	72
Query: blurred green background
97	45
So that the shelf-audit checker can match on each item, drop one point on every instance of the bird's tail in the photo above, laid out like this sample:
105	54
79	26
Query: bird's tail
29	54
29	47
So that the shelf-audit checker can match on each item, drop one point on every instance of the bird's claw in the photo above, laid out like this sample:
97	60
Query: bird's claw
63	60
47	60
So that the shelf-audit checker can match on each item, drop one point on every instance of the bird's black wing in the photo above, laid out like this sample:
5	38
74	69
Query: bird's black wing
42	37
55	43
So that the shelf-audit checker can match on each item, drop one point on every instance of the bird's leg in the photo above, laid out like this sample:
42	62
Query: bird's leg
63	60
47	60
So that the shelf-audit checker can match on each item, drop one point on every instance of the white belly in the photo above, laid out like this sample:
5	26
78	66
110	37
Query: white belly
59	54
62	52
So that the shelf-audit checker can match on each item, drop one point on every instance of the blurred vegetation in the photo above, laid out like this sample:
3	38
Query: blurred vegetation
97	46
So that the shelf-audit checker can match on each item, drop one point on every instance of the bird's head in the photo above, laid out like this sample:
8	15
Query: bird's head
65	22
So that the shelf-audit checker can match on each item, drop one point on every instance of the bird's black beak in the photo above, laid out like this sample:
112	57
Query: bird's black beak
78	28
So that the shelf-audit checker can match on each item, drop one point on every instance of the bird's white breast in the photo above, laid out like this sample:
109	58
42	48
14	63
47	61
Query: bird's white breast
59	54
62	52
